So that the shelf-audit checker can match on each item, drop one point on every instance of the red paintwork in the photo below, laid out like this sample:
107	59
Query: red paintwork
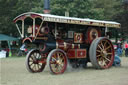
35	16
81	53
89	40
43	61
63	45
66	46
27	39
25	16
19	18
78	37
76	53
71	53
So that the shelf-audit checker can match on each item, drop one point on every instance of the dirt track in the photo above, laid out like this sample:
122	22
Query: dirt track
13	72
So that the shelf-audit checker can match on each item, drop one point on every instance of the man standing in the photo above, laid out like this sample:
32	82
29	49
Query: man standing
119	48
126	49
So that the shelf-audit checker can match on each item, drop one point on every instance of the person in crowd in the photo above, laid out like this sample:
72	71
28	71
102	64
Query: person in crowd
119	49
126	48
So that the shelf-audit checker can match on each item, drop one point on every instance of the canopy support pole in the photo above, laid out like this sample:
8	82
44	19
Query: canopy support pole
22	28
55	30
34	27
39	29
106	30
19	30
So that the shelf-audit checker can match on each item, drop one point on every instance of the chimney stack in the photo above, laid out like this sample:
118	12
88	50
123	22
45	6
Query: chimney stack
46	6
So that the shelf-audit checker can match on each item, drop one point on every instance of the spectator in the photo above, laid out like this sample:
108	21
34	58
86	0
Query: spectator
119	44
126	49
119	49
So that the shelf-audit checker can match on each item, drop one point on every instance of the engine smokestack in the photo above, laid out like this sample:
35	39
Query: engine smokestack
47	6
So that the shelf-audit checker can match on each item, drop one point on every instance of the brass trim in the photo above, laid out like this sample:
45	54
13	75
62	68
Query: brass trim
73	46
65	45
75	53
79	46
45	38
91	33
57	45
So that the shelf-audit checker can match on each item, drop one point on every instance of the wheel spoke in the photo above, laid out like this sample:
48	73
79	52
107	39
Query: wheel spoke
105	63
107	59
109	53
52	62
30	59
35	54
31	64
100	47
99	58
38	66
33	67
33	57
105	43
54	58
108	47
57	69
98	51
60	67
98	55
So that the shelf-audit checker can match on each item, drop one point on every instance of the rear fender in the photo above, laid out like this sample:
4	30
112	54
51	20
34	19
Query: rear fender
27	40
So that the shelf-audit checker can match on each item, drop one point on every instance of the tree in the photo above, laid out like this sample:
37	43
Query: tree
9	9
76	8
109	8
94	9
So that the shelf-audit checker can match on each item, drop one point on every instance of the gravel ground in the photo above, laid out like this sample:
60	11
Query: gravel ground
13	72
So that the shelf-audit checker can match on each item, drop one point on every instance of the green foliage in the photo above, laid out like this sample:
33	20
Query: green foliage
76	8
108	8
9	9
94	9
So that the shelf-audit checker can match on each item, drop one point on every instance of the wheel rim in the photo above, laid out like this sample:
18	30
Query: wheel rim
35	62
58	62
105	53
101	53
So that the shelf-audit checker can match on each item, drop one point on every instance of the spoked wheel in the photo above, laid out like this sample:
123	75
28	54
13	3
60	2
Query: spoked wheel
101	53
35	62
57	61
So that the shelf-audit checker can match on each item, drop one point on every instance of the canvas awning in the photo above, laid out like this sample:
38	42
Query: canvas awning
7	38
63	19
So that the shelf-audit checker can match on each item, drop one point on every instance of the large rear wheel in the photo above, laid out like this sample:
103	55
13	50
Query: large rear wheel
57	61
101	53
35	62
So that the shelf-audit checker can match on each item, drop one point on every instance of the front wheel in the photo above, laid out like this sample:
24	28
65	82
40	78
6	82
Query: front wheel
101	53
57	61
35	62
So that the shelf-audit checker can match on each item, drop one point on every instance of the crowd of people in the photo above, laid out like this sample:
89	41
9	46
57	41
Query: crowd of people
122	47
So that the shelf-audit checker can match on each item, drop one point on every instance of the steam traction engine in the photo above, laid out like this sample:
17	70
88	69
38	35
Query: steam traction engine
61	40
